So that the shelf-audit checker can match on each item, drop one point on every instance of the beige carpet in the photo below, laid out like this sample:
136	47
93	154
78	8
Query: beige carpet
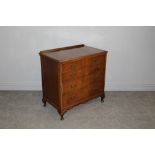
120	110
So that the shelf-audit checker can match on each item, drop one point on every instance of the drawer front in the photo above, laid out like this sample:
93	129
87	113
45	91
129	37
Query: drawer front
73	69
74	97
74	91
94	80
82	78
95	64
83	67
71	98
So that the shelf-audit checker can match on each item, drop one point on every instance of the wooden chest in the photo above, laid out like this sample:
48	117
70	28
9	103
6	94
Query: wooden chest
72	75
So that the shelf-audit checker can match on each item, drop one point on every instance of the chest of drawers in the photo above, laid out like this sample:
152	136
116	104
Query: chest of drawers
72	75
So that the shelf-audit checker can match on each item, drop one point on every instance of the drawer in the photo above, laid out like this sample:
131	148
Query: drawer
95	64
80	64
73	69
83	67
71	98
96	88
90	82
73	85
96	59
73	66
73	75
84	72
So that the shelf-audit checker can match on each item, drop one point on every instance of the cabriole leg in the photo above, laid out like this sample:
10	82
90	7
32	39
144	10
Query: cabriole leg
44	102
61	116
102	97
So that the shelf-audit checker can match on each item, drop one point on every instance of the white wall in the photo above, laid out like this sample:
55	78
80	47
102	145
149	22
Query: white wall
130	65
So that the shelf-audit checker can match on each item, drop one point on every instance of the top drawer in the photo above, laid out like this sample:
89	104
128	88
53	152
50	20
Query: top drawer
82	67
73	69
95	64
73	66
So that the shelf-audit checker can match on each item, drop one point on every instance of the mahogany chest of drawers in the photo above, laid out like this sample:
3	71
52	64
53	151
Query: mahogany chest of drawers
72	75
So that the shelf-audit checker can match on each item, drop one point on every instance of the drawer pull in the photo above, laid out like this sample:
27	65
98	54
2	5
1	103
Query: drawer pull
94	62
73	67
73	85
72	97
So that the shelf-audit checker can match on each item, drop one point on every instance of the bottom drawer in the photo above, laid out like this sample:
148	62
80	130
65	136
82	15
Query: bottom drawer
73	98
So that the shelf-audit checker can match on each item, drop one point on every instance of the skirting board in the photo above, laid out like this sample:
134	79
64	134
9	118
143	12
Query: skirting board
110	86
129	87
20	85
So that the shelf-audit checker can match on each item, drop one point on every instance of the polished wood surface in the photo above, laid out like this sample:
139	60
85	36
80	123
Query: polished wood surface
65	54
72	75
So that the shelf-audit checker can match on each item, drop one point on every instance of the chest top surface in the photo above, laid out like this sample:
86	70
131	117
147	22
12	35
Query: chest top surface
70	52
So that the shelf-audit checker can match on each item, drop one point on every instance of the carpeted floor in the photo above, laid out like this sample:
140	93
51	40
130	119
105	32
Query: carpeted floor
23	109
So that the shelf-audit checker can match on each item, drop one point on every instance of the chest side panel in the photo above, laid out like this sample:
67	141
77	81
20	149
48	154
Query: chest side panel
50	80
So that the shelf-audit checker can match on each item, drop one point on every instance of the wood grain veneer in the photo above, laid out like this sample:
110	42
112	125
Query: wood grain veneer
72	75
